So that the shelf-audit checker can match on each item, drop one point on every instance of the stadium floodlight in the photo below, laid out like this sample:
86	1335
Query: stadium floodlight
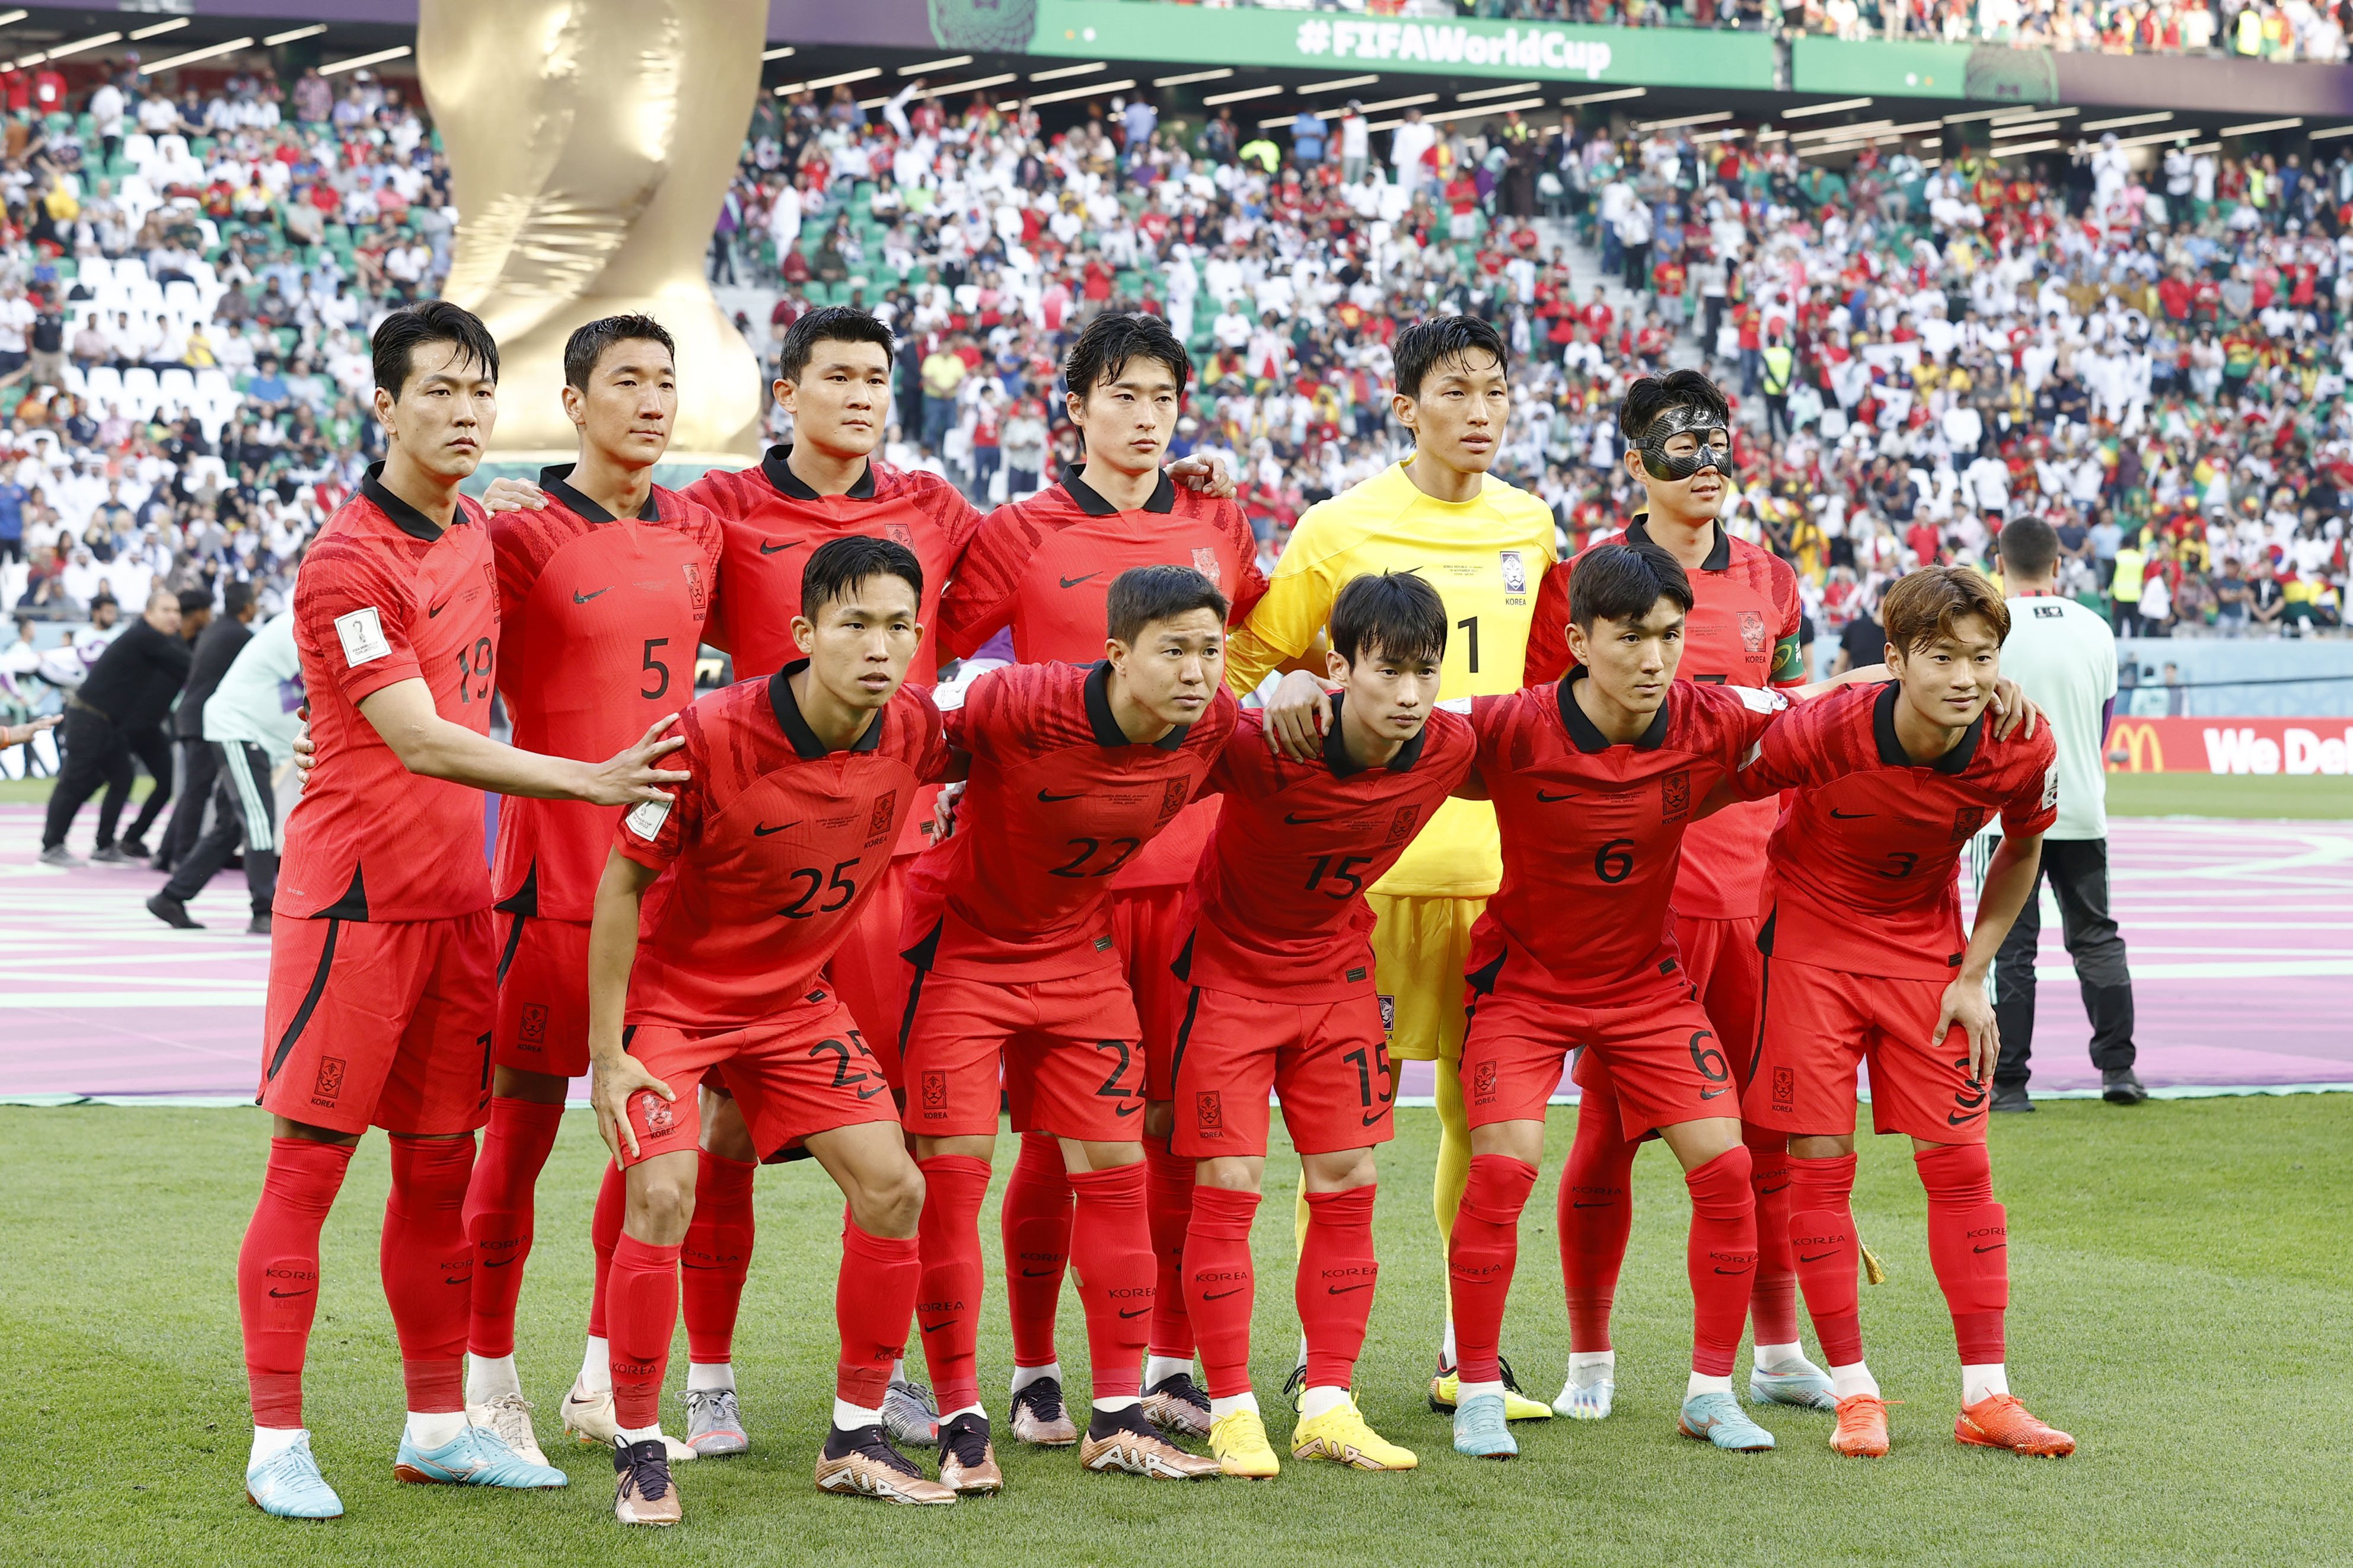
978	84
173	25
274	39
1096	90
784	53
172	62
97	41
925	67
2013	116
2257	127
1338	82
2159	118
1243	94
1517	90
2015	149
1832	106
1058	72
1415	102
2331	135
1612	96
1708	119
10	18
818	84
2031	128
1190	77
2153	138
1535	102
1841	132
356	62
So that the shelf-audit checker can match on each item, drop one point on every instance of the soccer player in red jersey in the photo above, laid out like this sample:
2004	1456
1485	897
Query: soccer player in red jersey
602	600
1075	769
1743	631
1043	569
381	1000
757	869
1594	778
1866	963
1277	953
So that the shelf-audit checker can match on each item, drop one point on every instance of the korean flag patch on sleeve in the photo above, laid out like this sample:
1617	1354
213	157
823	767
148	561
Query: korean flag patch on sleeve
362	634
646	820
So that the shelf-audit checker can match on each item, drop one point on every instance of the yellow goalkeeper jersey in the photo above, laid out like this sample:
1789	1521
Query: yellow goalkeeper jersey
1486	557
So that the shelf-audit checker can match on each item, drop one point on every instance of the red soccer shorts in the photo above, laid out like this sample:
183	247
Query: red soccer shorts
1066	1048
380	1023
1721	958
1329	1060
1820	1024
1662	1052
542	1019
1148	923
802	1072
868	973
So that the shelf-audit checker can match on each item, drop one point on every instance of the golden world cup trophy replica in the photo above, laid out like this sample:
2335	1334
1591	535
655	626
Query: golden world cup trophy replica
590	144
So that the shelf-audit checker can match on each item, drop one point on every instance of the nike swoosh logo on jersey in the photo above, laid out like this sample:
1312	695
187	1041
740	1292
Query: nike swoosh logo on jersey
1049	800
1955	1119
762	829
1709	1094
1140	1312
869	1094
768	549
1816	1256
1216	1294
1073	582
579	597
1996	1247
433	610
1373	1117
1555	799
1297	822
1343	1289
1126	1110
1849	816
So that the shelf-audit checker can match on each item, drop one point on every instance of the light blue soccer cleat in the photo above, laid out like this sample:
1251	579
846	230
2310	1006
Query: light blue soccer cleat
1807	1389
475	1457
1480	1431
1717	1418
287	1485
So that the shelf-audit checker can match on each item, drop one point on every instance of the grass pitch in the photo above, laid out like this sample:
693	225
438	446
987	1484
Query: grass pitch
2180	1298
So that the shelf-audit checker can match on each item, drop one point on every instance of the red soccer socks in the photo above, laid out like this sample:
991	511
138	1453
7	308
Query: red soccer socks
1822	1241
604	1235
1968	1245
1036	1223
498	1215
947	1295
640	1314
1722	1259
1334	1288
1773	1293
1111	1249
278	1271
872	1303
1595	1213
1479	1260
715	1256
1168	1210
429	1266
1223	1287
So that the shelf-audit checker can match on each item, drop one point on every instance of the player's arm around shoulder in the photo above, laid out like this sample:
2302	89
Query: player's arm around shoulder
1283	625
404	715
1480	717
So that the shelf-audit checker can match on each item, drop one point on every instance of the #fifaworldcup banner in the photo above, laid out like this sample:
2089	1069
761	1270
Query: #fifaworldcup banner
2230	746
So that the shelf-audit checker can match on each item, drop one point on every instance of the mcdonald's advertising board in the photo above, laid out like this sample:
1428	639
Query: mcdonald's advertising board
2260	746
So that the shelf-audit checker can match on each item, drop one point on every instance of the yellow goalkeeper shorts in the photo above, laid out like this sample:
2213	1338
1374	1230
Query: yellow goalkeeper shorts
1419	948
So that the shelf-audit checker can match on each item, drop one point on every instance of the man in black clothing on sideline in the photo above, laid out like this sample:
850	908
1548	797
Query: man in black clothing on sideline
123	701
216	650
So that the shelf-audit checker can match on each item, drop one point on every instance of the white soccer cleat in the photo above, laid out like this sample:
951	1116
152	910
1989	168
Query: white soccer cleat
588	1417
509	1416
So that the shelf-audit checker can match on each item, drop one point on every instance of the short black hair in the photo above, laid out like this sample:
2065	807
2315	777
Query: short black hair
235	598
1653	396
1425	344
835	569
1396	614
196	599
2030	546
1142	594
1110	341
1623	582
400	334
828	324
588	345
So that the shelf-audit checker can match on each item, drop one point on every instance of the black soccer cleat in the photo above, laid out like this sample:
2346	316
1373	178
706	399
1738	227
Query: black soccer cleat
172	912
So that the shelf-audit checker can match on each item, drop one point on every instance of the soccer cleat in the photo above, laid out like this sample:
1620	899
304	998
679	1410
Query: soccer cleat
114	854
1341	1435
861	1463
1862	1431
2122	1086
644	1494
588	1417
287	1485
1125	1440
509	1416
1586	1401
1807	1389
475	1457
62	857
967	1458
1038	1417
1237	1442
2011	1097
136	849
2000	1421
1480	1431
1717	1418
1176	1405
258	926
172	912
714	1425
910	1417
1444	1384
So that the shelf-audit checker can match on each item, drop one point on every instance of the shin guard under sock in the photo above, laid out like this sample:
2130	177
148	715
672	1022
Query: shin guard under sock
499	1215
1823	1243
1721	1257
1334	1290
1220	1279
428	1266
1035	1220
278	1271
1111	1249
716	1256
947	1293
1968	1247
1480	1259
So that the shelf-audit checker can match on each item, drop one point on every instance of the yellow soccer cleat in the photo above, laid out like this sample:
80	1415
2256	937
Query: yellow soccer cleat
1238	1441
1341	1435
1517	1406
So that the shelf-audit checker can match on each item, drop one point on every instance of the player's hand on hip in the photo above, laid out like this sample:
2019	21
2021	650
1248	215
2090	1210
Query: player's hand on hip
616	1079
513	495
1206	474
1298	716
629	778
2011	709
1964	1004
943	811
306	751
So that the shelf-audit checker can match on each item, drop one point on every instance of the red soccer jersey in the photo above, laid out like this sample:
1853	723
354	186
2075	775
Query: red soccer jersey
767	851
1743	631
1592	833
1865	861
1277	910
1044	566
383	597
1059	799
602	618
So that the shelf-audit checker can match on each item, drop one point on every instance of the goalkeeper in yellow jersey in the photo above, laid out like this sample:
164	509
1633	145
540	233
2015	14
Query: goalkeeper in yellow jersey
1485	547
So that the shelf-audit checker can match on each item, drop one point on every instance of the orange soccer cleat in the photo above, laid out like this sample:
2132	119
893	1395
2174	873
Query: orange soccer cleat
1862	1431
2000	1421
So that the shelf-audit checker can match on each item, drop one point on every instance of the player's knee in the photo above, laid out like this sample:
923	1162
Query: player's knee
1341	1171
889	1202
660	1206
1233	1173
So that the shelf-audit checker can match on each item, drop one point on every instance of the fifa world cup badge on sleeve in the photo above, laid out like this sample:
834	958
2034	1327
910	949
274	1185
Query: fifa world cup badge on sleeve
646	820
362	634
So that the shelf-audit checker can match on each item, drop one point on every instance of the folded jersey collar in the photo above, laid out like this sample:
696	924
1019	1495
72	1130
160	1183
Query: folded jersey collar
780	474
1719	555
404	517
1335	749
1890	750
557	482
1589	737
1106	724
805	745
1091	500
